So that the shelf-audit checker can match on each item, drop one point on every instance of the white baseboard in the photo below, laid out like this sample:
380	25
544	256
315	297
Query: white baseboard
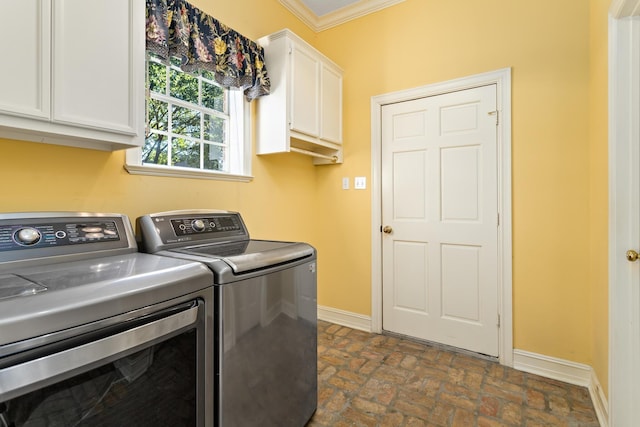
551	367
566	371
599	400
345	318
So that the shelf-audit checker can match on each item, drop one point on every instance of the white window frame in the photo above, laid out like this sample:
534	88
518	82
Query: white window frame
239	146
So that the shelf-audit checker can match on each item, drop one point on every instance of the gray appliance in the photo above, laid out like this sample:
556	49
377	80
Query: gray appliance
265	314
94	333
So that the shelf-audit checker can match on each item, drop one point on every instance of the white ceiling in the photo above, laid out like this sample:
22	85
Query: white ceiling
323	7
323	14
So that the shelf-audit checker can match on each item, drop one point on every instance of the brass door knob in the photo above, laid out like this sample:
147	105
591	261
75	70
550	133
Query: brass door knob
632	255
387	230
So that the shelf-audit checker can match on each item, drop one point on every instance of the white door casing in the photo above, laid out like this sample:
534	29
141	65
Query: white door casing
439	205
624	213
502	81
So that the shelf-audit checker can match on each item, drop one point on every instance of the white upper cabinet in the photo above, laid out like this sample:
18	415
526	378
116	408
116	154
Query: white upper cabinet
74	72
25	78
305	90
331	104
303	113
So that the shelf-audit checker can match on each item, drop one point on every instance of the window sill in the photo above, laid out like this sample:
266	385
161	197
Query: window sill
178	172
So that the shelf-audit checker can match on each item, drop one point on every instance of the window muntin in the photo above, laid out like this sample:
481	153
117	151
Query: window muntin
192	122
225	124
187	119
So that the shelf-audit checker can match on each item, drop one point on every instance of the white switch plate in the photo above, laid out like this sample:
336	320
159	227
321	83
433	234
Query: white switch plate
345	183
360	182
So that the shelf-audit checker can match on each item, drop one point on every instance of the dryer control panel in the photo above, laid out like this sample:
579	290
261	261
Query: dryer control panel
174	229
205	224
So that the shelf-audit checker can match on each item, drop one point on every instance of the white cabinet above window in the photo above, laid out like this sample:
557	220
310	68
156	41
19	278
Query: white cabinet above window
73	72
303	113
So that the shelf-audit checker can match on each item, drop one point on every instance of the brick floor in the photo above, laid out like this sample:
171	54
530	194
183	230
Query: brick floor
377	380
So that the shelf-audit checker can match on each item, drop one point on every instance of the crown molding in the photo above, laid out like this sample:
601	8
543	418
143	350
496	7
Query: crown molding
340	16
624	8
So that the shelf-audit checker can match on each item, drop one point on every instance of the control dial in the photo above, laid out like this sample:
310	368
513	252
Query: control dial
28	236
197	225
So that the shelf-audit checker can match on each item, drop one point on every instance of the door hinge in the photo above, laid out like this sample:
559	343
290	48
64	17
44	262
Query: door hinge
498	220
498	320
497	114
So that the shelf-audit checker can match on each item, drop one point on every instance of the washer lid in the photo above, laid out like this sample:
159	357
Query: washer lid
252	255
13	286
54	297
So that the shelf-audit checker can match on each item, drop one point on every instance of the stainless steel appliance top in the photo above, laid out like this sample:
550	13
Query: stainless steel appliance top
220	239
59	270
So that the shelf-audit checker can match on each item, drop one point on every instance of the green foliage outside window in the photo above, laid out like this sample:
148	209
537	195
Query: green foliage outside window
187	119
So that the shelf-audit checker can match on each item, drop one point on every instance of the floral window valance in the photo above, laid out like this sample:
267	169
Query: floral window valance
175	28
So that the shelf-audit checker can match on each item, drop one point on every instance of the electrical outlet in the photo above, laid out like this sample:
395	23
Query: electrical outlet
360	182
345	183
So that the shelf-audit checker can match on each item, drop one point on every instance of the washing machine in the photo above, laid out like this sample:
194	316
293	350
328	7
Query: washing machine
265	316
94	333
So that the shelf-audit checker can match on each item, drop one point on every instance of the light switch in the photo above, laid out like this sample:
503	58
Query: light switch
360	182
345	183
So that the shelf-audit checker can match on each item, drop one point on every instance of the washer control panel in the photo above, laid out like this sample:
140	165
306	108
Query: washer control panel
38	234
36	238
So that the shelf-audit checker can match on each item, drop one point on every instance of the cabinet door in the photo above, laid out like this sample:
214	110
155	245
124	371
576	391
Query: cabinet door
331	105
304	91
98	68
25	53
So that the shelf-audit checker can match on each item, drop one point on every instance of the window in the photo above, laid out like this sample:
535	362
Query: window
194	127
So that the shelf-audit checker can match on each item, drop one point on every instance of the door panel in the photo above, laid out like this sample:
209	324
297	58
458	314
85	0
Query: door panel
409	185
459	118
460	282
460	175
411	272
439	196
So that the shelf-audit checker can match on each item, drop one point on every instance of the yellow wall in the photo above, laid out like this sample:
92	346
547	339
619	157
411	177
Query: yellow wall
277	204
557	53
547	45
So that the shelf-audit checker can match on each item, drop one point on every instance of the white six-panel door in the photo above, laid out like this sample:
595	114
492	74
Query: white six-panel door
624	213
440	212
